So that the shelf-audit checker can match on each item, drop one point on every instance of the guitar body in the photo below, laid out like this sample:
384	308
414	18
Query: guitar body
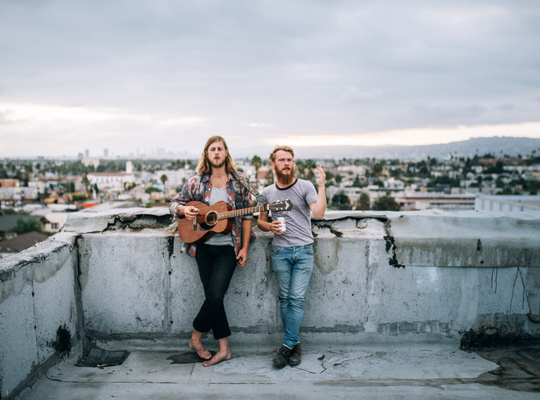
218	218
207	224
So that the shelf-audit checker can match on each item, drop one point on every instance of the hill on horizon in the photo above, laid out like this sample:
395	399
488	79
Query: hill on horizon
498	146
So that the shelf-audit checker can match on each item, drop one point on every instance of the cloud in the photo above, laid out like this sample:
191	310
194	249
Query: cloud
256	125
151	73
422	136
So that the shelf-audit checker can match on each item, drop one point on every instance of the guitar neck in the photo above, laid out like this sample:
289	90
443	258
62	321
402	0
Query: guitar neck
242	211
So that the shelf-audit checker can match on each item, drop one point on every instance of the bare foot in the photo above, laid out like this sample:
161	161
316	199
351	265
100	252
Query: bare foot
201	351
218	357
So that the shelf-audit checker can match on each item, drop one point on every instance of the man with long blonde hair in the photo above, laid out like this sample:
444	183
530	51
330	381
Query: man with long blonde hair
205	165
218	257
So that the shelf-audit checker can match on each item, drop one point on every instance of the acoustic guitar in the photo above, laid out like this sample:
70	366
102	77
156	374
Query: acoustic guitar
218	218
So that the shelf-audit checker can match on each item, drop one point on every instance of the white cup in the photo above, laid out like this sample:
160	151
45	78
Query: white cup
283	226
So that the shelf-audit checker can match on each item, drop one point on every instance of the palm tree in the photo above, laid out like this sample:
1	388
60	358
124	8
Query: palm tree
256	162
86	182
163	178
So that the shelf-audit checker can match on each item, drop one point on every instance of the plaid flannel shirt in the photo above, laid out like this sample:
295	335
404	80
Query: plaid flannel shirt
197	188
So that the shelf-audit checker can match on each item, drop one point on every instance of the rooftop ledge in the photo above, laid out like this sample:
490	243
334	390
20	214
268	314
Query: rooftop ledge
118	279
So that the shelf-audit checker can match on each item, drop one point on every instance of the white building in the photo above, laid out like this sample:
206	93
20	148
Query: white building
55	221
507	203
439	201
395	184
112	180
175	178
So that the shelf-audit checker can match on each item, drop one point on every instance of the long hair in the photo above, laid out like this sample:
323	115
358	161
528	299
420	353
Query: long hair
204	166
278	148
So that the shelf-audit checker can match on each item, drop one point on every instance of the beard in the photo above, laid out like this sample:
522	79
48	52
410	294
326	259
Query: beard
286	178
217	164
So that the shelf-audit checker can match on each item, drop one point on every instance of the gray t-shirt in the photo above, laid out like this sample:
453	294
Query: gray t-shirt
219	239
302	194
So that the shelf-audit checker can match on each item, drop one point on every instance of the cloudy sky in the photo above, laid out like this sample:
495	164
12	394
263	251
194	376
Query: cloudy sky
136	76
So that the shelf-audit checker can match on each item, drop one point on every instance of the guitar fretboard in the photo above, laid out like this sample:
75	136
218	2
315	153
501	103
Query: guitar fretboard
242	211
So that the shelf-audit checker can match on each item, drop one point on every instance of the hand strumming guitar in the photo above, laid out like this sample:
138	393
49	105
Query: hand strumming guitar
189	212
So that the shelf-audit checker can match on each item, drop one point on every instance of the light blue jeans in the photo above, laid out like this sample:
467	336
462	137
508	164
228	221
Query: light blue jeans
293	267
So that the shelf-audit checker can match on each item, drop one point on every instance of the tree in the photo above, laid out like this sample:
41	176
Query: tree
377	169
480	179
163	178
444	180
364	202
151	189
86	182
385	203
505	191
256	162
357	182
27	225
300	167
340	201
310	166
71	187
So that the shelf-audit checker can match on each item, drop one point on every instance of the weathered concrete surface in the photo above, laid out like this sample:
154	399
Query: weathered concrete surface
466	239
88	221
144	287
124	282
378	278
37	301
359	372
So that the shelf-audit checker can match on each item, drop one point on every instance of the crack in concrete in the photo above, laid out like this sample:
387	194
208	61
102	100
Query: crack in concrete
139	222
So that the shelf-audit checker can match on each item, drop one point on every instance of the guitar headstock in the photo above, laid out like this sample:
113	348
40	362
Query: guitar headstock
282	205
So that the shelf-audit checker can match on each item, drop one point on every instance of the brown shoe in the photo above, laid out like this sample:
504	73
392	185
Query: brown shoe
295	358
282	357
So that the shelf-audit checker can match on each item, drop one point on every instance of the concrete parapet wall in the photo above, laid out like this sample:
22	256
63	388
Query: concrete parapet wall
378	277
38	309
140	285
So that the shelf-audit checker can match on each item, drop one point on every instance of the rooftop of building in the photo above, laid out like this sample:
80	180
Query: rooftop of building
425	304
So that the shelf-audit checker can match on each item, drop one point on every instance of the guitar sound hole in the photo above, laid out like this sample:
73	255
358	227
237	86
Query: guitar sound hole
211	218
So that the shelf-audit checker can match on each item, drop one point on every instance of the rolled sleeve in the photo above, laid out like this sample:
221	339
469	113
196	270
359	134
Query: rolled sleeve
183	197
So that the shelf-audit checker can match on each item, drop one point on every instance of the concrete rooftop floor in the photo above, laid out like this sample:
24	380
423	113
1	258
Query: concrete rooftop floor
400	371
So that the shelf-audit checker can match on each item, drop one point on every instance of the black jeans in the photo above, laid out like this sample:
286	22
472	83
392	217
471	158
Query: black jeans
216	268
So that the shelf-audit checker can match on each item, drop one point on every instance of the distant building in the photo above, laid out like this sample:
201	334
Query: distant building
175	178
394	184
90	161
20	243
425	201
55	221
353	193
510	203
9	183
112	180
17	194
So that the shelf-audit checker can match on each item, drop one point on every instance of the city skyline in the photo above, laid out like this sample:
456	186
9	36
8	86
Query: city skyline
499	147
139	76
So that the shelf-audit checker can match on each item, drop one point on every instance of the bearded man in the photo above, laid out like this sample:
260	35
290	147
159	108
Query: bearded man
292	249
218	257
